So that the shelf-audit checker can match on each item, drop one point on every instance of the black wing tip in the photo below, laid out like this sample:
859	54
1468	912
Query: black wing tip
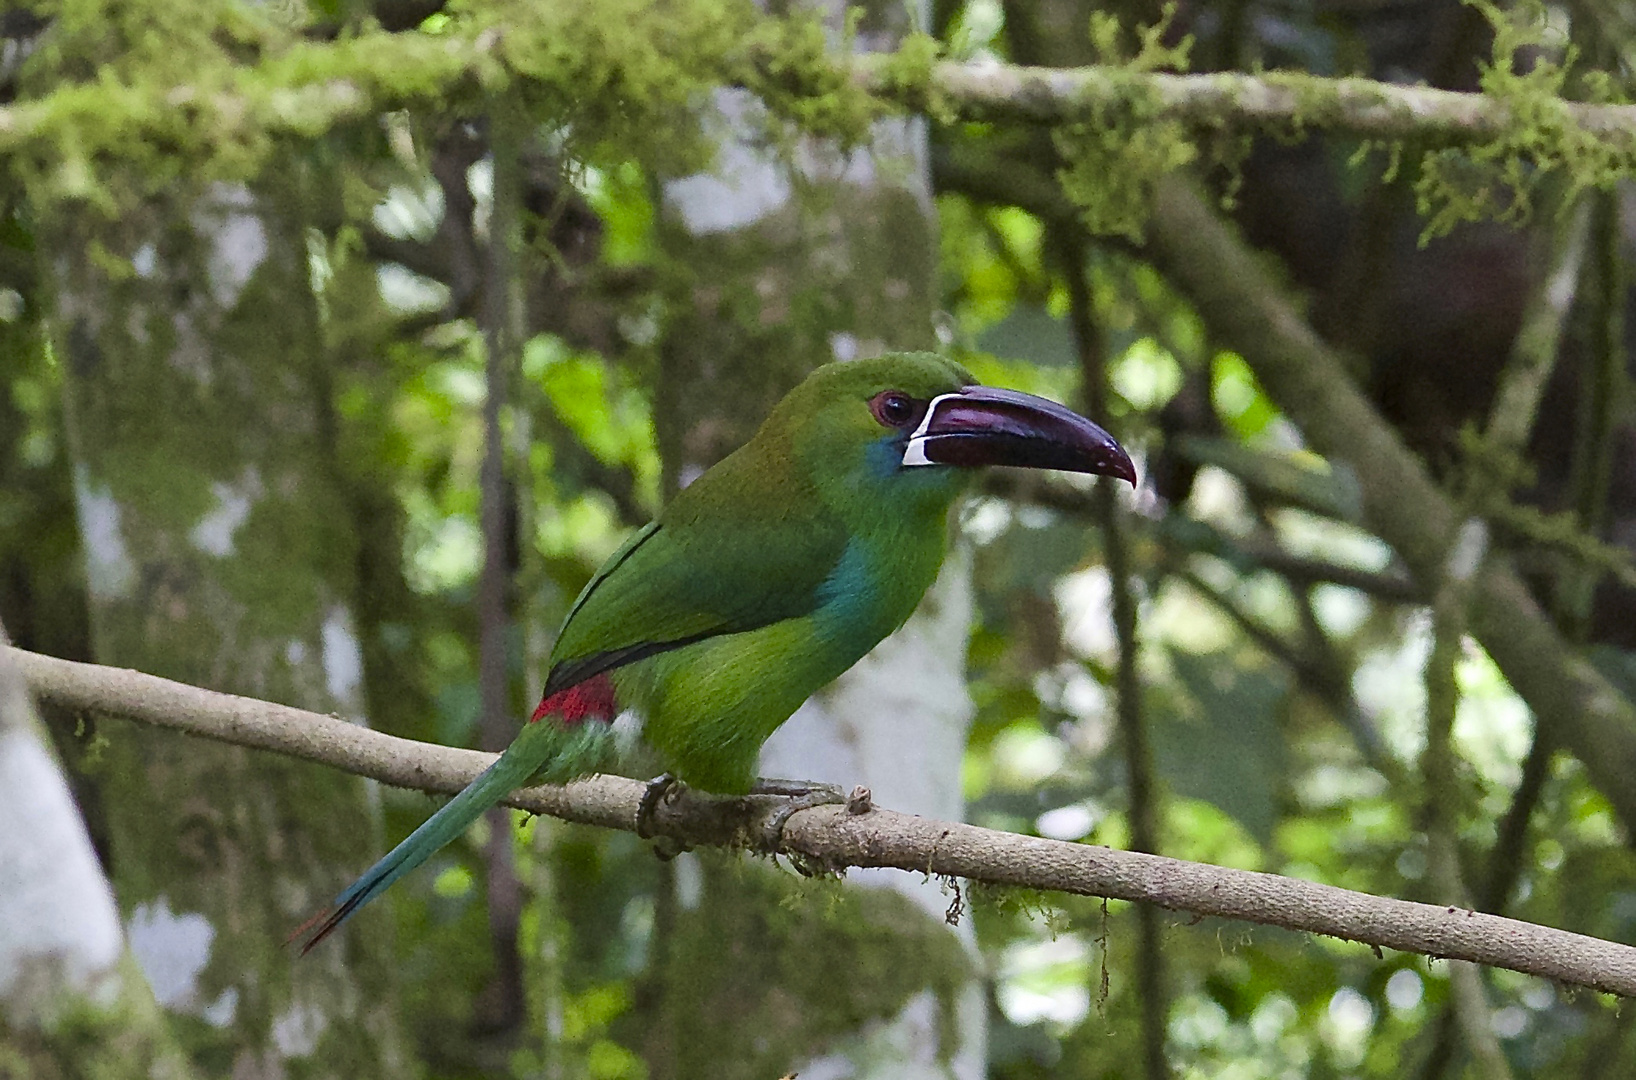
570	673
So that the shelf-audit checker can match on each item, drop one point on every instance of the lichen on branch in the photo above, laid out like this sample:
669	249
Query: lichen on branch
1540	138
103	118
1117	155
123	99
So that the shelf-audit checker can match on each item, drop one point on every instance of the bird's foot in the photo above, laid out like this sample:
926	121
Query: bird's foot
662	788
798	795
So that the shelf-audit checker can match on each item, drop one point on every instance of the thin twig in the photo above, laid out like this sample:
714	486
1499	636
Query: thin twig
1504	868
1192	534
1303	570
1534	353
1325	681
1600	403
834	837
1469	1003
1139	771
501	1004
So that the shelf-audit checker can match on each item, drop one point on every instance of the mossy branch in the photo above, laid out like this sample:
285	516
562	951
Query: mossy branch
839	837
222	113
208	112
1283	100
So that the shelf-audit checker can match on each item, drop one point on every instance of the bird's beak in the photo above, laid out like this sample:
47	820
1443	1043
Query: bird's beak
984	425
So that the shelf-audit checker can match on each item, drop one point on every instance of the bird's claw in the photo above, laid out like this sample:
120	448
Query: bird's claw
662	788
798	795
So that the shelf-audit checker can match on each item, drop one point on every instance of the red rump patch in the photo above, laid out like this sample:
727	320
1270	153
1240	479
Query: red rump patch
592	699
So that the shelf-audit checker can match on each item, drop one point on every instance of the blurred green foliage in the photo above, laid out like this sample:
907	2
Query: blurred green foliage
1261	763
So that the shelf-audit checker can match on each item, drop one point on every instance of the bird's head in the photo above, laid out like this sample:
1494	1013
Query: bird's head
912	423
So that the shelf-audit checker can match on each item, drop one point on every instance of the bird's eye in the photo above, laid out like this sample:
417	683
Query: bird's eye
893	408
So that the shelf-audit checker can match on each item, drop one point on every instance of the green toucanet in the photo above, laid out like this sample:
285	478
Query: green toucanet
764	579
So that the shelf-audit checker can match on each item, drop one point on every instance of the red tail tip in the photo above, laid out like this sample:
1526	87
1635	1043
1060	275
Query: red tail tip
326	921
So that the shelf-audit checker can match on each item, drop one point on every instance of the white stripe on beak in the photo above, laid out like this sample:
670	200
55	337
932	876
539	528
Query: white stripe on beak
915	452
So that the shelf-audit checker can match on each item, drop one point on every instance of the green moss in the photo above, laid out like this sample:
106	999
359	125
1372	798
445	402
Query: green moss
906	77
1498	178
1119	152
127	97
1117	159
1014	901
196	390
119	1036
1117	156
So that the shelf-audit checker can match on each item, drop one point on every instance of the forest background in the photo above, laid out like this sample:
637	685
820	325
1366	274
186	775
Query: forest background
341	341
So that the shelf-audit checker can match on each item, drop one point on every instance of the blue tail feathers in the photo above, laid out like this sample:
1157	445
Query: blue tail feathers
433	833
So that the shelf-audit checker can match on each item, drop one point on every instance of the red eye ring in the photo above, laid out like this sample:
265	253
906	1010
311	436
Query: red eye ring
894	408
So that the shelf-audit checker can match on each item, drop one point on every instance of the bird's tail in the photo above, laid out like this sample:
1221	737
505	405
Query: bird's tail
521	760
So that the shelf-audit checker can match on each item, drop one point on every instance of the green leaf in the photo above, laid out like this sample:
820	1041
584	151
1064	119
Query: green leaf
1228	752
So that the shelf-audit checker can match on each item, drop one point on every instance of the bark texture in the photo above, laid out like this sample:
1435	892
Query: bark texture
839	837
72	1002
797	258
217	550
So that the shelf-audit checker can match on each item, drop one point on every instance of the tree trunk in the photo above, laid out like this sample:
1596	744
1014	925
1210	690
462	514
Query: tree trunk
218	552
799	263
72	1002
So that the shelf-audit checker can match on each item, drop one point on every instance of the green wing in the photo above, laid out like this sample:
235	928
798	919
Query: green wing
718	561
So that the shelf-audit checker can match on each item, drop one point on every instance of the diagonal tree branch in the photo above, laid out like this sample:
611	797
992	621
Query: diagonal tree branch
857	835
1246	553
1237	297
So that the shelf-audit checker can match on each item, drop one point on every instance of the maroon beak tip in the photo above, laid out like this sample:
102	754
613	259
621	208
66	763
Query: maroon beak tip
983	425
